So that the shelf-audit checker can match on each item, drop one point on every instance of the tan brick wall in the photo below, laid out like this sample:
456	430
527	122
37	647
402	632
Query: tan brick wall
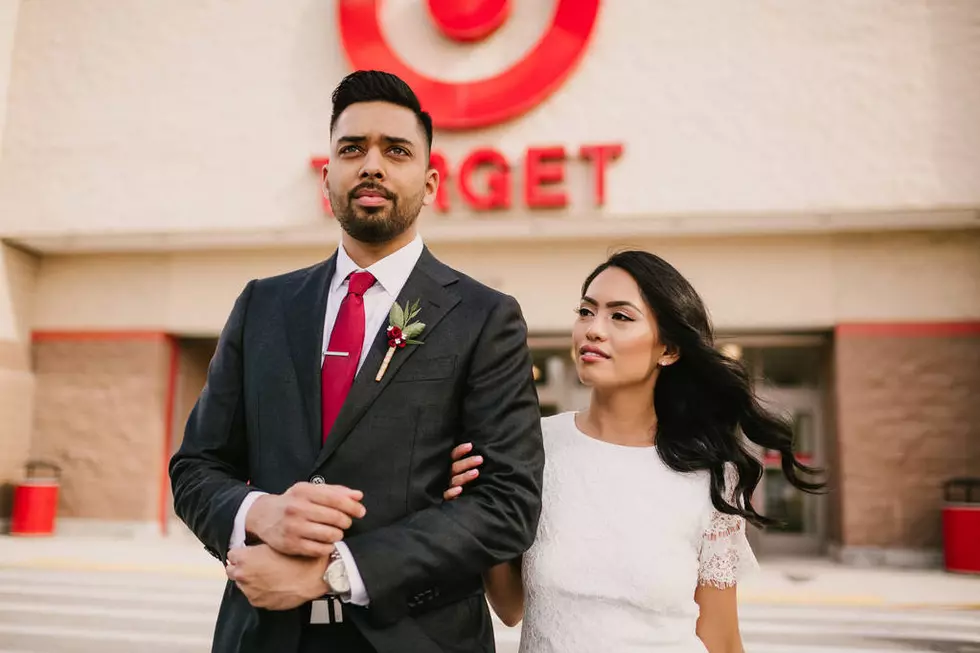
909	419
831	462
100	415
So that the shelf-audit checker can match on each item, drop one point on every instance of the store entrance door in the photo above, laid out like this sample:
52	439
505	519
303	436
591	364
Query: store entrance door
802	515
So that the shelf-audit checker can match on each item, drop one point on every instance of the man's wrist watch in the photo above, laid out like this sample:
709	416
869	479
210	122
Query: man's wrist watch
336	576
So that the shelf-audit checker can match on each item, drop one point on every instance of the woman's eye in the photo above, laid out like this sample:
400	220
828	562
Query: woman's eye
583	312
622	316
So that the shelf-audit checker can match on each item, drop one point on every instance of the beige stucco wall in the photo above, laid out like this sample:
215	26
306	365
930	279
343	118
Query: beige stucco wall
186	116
770	283
17	272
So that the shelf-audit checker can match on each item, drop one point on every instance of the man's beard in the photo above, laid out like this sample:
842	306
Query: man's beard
375	225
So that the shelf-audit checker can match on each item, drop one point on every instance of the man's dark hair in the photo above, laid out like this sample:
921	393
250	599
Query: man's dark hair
378	86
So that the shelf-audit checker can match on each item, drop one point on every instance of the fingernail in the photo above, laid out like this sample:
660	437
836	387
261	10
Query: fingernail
478	459
473	472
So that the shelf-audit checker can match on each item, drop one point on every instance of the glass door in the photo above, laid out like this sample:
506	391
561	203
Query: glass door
802	529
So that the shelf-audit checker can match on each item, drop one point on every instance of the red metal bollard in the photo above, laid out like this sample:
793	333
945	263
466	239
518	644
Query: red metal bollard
961	526
36	501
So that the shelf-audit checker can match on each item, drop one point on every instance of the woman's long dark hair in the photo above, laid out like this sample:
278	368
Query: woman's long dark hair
705	399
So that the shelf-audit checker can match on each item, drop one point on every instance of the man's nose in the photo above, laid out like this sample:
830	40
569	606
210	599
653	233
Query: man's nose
373	167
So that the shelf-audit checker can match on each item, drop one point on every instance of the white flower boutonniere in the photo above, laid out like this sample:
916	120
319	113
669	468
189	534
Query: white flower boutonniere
401	331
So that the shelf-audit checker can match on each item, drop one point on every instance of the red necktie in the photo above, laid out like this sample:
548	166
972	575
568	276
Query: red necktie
337	373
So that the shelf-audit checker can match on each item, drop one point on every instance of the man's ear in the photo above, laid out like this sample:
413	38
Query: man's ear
431	186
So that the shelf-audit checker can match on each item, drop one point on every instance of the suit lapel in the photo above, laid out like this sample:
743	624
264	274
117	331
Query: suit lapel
305	312
427	283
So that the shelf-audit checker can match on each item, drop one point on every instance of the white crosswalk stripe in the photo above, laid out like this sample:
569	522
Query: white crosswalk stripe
858	630
50	611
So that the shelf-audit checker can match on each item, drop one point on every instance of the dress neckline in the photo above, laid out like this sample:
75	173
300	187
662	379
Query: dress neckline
573	415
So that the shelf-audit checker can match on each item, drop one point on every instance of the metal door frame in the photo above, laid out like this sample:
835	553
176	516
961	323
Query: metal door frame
787	400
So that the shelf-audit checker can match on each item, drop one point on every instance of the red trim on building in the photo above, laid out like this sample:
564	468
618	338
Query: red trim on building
78	336
909	329
774	459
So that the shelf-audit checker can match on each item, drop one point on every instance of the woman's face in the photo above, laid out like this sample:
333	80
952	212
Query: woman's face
616	340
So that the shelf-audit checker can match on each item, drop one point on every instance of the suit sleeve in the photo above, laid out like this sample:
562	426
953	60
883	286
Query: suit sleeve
208	473
496	518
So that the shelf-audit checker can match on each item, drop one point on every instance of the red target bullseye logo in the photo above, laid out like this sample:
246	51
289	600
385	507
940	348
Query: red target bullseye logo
483	102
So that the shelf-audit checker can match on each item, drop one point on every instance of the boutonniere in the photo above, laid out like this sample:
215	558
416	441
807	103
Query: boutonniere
401	331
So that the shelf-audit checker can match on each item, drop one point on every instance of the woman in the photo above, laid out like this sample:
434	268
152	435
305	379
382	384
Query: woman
641	539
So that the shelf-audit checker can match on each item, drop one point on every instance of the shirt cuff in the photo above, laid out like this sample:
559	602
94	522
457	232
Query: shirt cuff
238	532
358	593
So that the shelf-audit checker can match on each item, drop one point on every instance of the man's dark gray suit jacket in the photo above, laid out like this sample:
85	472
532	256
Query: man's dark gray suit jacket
258	419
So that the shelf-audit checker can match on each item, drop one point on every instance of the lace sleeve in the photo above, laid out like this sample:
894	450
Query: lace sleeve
725	556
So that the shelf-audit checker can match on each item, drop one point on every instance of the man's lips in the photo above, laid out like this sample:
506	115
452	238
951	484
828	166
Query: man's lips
370	197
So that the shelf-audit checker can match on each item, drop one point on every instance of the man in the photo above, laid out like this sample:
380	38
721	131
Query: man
323	435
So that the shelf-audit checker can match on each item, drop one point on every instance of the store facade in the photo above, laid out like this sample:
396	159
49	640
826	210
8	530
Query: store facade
813	171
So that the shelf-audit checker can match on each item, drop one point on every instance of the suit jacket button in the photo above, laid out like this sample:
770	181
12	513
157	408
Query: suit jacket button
318	480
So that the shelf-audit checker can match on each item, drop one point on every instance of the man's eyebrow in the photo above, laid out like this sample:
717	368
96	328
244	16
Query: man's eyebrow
397	140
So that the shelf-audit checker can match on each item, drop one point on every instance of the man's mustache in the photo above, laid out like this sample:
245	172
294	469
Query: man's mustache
367	186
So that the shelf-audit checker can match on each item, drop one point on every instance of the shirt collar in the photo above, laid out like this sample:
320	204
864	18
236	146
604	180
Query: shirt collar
391	272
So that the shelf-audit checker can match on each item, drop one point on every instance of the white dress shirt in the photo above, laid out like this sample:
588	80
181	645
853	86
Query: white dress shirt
390	273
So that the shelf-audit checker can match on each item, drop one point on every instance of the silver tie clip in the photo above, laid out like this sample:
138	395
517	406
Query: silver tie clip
336	353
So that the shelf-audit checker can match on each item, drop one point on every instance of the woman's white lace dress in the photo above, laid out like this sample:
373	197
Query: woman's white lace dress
622	544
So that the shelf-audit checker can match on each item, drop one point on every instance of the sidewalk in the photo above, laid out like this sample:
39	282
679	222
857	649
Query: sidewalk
823	582
779	582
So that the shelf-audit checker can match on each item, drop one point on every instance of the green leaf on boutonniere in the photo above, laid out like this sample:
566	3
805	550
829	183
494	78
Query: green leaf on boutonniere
413	331
413	310
397	316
